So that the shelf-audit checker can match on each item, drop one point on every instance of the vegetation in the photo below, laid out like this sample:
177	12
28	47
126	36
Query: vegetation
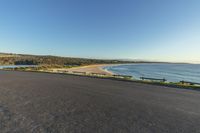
16	59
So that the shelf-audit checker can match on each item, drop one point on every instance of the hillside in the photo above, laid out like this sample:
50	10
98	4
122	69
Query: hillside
19	59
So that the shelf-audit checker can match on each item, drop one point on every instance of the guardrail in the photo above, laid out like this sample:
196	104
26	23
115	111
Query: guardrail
76	72
123	76
62	71
190	83
153	79
98	74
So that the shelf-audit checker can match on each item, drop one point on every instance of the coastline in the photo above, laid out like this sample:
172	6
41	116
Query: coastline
97	70
89	69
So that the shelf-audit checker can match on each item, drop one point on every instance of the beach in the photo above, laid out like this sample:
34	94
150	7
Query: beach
89	69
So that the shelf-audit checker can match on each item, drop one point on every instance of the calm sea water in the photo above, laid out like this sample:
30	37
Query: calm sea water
171	72
16	66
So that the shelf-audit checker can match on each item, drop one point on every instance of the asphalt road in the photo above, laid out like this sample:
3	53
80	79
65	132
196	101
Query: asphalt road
53	103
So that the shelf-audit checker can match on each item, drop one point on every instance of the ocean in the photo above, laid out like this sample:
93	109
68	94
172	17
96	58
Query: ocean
171	72
15	66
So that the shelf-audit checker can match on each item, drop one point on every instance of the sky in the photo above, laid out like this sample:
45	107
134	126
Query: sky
154	30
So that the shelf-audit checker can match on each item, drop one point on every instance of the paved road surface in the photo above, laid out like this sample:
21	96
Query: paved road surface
51	103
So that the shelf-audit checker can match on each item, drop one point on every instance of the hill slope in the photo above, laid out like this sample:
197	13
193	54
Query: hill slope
19	59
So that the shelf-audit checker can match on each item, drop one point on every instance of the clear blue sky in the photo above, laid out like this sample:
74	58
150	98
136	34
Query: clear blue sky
166	30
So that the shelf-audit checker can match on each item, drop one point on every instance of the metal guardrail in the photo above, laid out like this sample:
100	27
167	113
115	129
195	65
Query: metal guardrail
98	74
123	76
191	83
153	79
62	71
76	72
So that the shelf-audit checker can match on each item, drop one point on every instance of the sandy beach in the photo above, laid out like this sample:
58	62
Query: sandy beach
90	69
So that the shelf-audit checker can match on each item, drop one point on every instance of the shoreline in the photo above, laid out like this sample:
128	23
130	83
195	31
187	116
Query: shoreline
107	75
97	70
89	69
